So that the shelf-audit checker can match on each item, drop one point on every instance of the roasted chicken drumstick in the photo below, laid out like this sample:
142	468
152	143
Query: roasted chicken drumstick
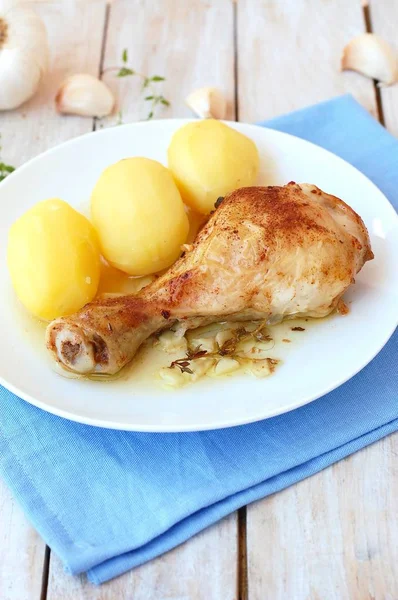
266	253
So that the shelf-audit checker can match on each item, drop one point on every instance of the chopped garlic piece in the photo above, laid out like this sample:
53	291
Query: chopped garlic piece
259	368
226	365
171	342
172	377
247	348
200	367
208	344
223	336
253	350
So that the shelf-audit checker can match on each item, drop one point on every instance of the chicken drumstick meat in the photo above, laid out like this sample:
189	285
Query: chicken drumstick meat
266	253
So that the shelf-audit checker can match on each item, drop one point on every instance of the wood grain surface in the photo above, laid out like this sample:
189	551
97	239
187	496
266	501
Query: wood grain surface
333	536
289	55
205	567
22	552
201	52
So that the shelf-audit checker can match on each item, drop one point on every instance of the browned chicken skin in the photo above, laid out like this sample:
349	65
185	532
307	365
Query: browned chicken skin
266	253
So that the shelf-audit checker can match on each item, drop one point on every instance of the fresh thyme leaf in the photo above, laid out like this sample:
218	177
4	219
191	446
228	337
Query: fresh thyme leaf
5	169
4	174
125	72
119	118
148	82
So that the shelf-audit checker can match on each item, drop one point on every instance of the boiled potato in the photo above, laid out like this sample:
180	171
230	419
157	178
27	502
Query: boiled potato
54	259
140	218
209	159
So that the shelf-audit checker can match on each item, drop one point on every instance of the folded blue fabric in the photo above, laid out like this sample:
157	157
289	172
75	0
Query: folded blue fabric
107	501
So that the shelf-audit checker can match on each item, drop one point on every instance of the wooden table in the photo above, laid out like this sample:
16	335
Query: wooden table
335	535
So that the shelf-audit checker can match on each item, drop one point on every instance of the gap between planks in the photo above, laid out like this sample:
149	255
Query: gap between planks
46	570
242	584
368	25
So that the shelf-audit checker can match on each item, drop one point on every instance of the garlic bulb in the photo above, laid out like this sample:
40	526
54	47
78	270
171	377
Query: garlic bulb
208	103
23	54
84	95
372	56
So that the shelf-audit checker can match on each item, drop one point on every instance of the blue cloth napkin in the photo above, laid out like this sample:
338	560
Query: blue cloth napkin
107	501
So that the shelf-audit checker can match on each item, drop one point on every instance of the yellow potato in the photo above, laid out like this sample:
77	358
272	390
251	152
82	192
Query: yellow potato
140	218
54	260
209	159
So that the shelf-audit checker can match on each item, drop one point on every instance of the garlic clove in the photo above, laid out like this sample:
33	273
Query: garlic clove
207	103
171	342
84	95
372	56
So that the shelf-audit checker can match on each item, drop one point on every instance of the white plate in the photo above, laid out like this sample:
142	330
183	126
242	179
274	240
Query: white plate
317	361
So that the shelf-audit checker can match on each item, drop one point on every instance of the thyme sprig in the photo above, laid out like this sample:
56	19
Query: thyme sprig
228	348
149	86
192	354
5	169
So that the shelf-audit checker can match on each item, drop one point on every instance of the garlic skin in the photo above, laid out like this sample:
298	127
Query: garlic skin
207	103
372	56
84	95
24	54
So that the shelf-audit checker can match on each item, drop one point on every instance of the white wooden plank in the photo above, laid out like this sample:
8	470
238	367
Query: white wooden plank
384	21
202	569
331	536
33	128
21	552
191	44
289	55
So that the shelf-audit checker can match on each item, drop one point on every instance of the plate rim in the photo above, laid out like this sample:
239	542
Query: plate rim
162	428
